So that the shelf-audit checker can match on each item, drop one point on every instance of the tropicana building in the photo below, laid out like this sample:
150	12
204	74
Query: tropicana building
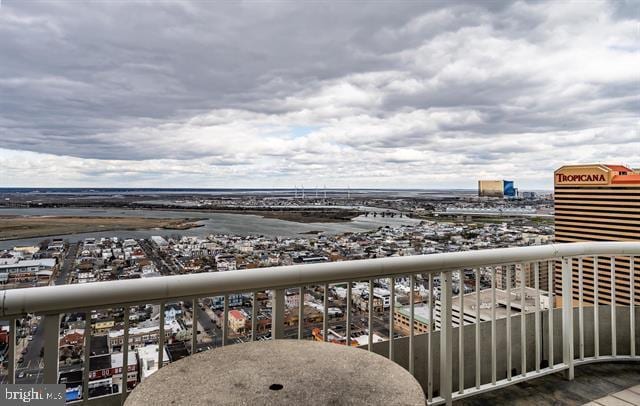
599	203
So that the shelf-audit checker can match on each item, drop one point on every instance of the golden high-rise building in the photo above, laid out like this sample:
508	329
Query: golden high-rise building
599	203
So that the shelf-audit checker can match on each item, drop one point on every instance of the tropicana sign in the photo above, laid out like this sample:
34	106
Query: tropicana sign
582	174
590	178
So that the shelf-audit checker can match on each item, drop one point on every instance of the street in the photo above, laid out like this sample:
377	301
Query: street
151	251
67	265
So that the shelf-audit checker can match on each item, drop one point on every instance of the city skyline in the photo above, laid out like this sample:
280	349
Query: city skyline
262	95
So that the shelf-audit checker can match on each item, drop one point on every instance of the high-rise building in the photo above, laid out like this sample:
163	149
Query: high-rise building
496	188
599	203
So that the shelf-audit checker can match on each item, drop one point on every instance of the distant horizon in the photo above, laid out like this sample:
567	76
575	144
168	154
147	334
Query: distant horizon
88	189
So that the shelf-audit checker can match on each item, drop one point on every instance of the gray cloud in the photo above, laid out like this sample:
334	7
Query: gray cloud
236	91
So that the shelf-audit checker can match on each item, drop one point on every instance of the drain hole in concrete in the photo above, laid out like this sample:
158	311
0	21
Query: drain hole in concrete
275	386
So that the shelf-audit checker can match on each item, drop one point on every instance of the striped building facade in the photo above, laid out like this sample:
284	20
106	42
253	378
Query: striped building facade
599	203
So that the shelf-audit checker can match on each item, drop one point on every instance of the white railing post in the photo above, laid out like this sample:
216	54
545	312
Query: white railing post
254	316
349	313
301	313
567	316
125	356
277	314
11	356
86	366
614	334
194	326
225	318
446	337
392	301
325	313
161	336
632	307
51	325
412	286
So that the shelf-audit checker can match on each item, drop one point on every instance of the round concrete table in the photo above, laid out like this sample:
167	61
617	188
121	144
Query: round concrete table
280	372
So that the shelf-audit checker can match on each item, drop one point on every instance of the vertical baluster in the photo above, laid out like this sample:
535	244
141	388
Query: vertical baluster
86	363
552	300
349	313
567	316
194	325
412	284
225	320
432	325
392	301
51	340
461	334
161	337
493	325
536	282
11	367
446	337
301	313
632	307
254	316
580	307
523	323
596	309
325	313
277	314
370	321
614	336
125	355
478	370
509	342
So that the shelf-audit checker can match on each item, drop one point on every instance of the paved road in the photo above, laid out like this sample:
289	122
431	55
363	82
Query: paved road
31	375
34	346
68	264
151	251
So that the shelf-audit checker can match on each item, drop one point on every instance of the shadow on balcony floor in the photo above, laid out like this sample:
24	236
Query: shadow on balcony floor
591	382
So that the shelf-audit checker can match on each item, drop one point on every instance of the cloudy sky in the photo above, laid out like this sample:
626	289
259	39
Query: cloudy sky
277	94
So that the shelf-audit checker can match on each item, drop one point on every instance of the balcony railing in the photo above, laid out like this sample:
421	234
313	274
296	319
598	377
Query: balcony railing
453	359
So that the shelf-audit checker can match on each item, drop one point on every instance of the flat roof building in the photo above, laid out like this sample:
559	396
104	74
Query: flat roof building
422	316
598	202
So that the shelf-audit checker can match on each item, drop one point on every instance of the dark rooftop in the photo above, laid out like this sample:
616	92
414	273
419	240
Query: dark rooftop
99	345
100	362
177	350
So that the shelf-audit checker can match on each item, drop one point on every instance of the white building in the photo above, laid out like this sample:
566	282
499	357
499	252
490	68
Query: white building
148	360
27	269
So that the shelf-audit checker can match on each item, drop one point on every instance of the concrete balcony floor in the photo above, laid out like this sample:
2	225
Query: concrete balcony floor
593	382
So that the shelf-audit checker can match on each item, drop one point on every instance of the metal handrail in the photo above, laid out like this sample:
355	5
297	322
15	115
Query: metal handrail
58	299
